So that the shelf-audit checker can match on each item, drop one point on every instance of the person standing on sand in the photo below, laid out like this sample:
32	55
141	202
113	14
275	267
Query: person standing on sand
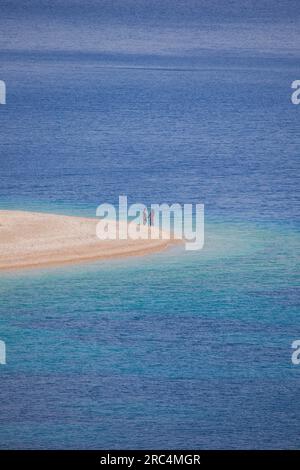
145	216
151	218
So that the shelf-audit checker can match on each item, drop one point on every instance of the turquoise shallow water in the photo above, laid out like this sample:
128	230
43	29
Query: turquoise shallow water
174	350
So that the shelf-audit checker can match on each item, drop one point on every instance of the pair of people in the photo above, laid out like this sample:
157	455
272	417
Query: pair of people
148	217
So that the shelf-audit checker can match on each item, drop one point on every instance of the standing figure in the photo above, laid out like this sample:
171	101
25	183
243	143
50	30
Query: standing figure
145	216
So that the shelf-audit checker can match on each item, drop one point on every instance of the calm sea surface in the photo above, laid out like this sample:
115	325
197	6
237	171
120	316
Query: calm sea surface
178	349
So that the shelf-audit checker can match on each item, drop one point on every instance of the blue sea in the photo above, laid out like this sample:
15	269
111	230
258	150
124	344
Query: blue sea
162	102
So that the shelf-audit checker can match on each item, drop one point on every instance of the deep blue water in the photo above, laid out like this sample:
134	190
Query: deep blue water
174	350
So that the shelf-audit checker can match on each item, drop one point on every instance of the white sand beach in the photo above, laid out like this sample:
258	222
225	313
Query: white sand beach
31	239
